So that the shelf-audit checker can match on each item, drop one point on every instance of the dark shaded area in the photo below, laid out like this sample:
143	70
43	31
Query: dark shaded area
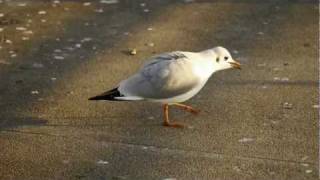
105	29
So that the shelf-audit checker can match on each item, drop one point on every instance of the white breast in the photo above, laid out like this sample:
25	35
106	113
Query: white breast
201	68
182	97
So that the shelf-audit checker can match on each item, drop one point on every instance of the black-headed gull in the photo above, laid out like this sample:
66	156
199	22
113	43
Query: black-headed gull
171	78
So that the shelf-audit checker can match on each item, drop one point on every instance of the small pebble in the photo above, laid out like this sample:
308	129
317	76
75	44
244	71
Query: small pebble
142	4
43	20
59	57
21	28
109	1
150	44
34	92
276	78
22	4
86	3
28	32
264	87
25	38
316	106
42	12
236	168
99	10
56	1
1	14
37	65
308	171
169	179
57	51
235	52
146	10
274	122
69	48
8	41
78	45
102	162
133	51
260	33
1	29
70	92
13	55
86	39
150	29
244	140
53	79
287	105
304	158
304	164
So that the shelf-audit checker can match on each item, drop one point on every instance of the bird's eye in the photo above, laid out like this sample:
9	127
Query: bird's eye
226	58
217	59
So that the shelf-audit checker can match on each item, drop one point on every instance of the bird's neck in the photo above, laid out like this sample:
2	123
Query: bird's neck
204	65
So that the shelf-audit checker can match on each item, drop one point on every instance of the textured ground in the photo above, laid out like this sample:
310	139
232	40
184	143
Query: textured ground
257	123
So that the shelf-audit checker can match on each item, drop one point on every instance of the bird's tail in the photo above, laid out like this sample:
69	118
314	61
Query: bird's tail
109	95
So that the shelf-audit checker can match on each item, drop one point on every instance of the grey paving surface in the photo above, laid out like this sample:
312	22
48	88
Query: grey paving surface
258	123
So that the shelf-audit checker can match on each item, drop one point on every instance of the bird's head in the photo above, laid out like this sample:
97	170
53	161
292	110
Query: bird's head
223	60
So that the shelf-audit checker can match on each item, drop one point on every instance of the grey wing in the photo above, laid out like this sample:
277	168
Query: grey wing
165	76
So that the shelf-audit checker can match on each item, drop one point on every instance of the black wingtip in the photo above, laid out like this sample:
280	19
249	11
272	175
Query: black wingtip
109	95
93	98
100	97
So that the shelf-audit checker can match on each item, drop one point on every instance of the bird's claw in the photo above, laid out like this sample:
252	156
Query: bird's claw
174	125
194	111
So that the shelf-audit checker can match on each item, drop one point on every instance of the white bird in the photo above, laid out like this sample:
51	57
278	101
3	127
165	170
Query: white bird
172	78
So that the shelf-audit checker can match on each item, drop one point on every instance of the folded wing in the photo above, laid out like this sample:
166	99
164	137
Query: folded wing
165	76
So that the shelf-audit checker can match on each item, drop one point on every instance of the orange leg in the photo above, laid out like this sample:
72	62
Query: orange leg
187	108
166	118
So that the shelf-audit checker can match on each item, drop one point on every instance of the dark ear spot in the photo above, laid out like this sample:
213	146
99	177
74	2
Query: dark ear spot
217	59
